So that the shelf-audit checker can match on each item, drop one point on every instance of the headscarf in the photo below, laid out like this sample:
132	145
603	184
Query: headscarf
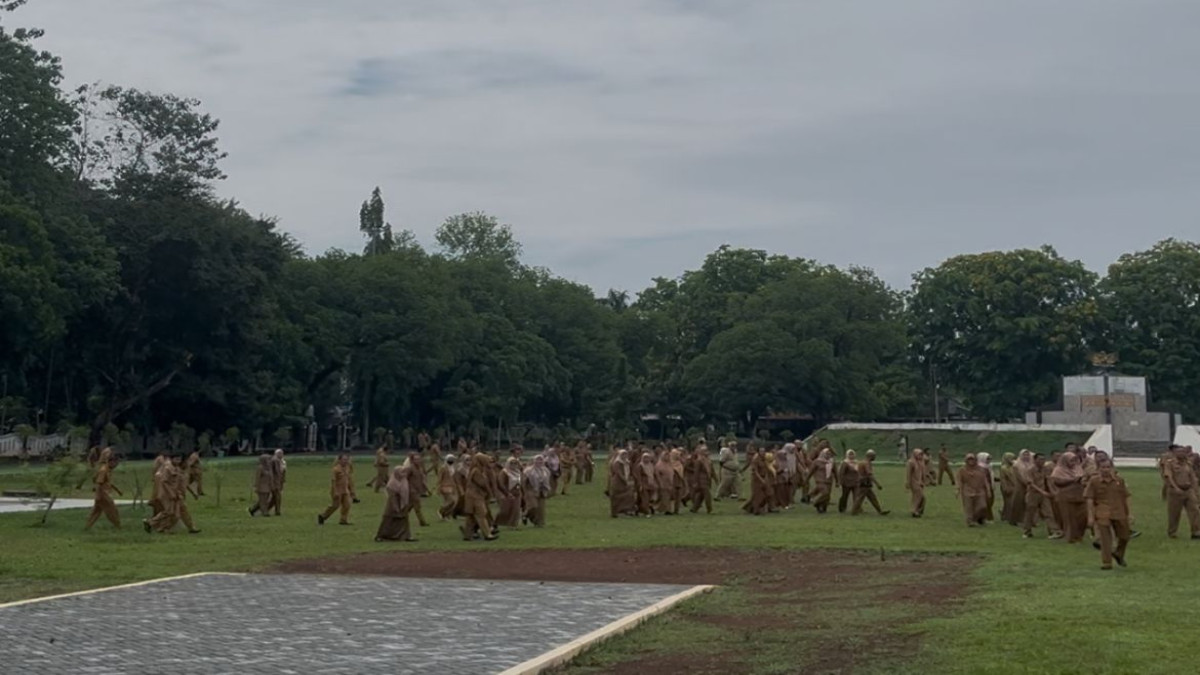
538	476
677	460
1007	459
770	462
826	456
621	464
551	458
985	463
105	456
398	484
279	458
1068	468
513	468
647	465
789	459
1025	465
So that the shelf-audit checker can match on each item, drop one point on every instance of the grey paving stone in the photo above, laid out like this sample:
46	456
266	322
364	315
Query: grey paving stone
254	624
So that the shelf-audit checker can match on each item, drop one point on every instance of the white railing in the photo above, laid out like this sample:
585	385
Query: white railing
958	426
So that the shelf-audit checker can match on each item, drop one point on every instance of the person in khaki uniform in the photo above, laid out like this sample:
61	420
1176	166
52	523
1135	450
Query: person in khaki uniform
416	477
664	477
699	472
381	470
475	502
195	474
264	484
1181	492
173	482
867	484
972	484
847	474
944	466
566	462
824	474
280	479
1108	512
586	468
1067	479
1039	501
340	492
447	487
727	463
536	488
645	478
104	504
914	481
393	524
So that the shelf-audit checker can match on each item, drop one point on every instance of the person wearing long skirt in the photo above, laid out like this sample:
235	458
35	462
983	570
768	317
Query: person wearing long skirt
103	505
848	478
511	481
664	476
646	480
264	483
394	526
537	484
985	463
1067	478
622	491
824	475
760	486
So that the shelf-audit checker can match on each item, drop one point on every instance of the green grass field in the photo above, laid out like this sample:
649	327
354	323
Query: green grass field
958	443
1035	606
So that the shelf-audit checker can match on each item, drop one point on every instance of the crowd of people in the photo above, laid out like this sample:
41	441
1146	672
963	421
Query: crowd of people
1073	494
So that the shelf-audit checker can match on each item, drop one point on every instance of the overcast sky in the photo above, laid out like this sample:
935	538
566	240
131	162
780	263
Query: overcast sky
625	140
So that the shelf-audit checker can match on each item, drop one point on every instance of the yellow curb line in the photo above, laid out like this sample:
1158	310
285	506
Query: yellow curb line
113	588
561	655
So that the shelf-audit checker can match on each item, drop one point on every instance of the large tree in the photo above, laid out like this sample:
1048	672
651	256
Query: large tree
1001	328
1151	310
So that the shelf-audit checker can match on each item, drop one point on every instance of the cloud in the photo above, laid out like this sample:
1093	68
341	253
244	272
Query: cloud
624	140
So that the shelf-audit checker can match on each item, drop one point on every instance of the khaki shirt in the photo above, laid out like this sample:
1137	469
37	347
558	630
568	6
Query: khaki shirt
1108	498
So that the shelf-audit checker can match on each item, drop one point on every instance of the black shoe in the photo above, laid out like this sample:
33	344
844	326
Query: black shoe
1196	536
1095	544
320	519
884	513
193	531
250	511
356	500
1135	534
1120	559
146	526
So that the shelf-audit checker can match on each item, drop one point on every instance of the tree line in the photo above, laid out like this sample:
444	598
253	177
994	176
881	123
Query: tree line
134	299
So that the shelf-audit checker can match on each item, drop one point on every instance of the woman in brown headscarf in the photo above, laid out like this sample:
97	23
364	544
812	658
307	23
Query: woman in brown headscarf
1008	487
772	482
824	477
1067	479
538	486
510	494
264	483
848	476
104	504
622	493
664	475
646	480
393	526
679	489
760	486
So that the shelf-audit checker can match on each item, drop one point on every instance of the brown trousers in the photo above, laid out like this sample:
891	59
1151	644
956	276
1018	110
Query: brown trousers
821	495
701	496
416	509
103	506
341	502
845	500
449	501
1037	506
1107	530
1177	503
277	499
944	469
918	501
868	494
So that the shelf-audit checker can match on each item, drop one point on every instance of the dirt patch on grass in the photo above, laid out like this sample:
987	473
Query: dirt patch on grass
848	604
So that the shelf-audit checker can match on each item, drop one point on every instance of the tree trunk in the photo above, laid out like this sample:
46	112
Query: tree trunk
46	512
116	407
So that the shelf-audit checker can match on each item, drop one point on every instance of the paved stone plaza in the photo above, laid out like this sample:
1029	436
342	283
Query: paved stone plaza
248	624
